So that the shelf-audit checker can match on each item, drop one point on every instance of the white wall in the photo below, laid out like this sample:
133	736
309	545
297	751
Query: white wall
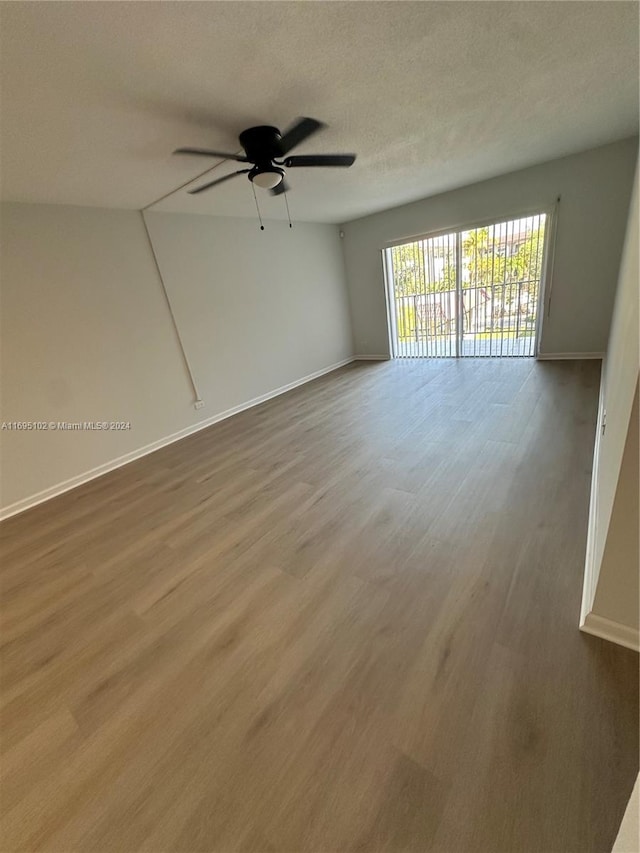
618	588
86	333
259	309
611	573
595	187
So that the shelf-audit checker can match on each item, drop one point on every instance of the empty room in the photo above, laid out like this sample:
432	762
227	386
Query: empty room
319	342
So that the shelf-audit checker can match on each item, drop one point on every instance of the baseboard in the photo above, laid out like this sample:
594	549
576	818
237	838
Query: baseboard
80	479
567	356
590	576
371	357
615	632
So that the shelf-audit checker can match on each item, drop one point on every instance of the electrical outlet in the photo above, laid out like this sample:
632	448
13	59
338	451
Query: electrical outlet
199	404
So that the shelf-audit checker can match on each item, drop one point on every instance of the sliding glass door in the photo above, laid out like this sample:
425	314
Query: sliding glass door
471	292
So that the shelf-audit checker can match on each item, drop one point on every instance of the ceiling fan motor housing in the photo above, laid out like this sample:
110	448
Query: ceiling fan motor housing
261	144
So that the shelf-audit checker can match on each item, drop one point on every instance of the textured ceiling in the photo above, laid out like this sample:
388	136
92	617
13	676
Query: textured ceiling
431	95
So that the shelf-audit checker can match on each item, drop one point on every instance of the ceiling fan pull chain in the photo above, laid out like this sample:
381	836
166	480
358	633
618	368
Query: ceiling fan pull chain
288	214
257	208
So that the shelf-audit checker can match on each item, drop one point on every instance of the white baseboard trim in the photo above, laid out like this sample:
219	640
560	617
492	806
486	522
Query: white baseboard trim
74	482
372	358
615	632
567	356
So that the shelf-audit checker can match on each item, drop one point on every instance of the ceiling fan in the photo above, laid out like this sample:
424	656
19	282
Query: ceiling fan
266	149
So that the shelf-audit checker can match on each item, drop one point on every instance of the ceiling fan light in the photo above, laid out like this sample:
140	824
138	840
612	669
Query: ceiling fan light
267	179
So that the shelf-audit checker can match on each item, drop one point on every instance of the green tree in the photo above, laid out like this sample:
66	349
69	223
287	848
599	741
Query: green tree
408	269
491	259
488	259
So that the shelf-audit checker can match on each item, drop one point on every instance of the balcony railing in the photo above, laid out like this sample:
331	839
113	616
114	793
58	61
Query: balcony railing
498	320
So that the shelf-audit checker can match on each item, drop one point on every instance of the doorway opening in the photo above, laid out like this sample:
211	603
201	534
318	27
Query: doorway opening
468	293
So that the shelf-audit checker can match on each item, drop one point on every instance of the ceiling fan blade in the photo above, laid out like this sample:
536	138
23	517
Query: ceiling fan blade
281	188
321	160
300	130
218	181
206	152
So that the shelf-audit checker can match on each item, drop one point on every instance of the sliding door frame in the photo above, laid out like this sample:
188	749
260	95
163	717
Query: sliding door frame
543	307
392	330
